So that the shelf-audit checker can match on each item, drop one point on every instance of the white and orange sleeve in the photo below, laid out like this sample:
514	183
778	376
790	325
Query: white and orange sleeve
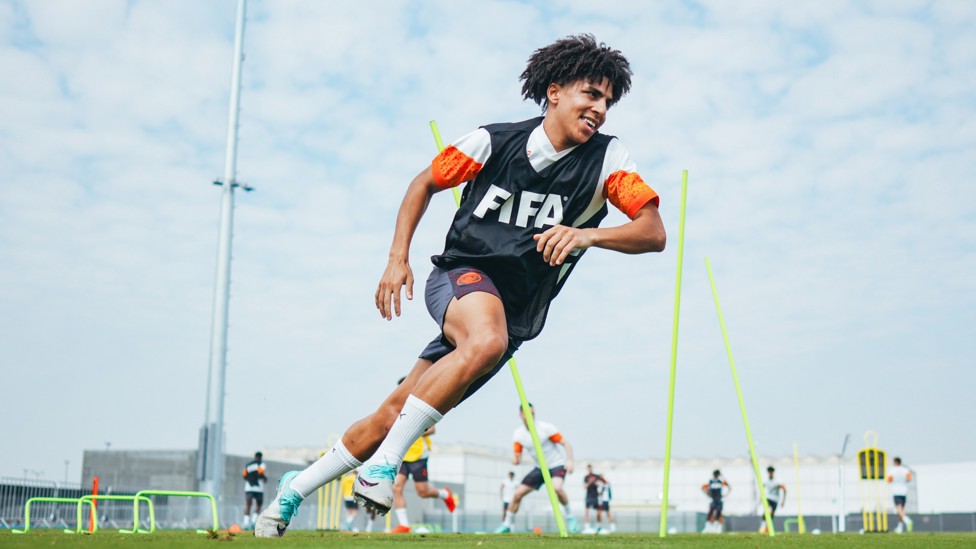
461	161
622	185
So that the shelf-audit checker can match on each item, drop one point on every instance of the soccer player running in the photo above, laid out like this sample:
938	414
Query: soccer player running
899	476
536	194
592	500
606	494
559	460
715	489
415	465
254	479
508	487
775	495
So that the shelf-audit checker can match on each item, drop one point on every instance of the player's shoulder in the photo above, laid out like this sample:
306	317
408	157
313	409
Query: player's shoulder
546	426
523	126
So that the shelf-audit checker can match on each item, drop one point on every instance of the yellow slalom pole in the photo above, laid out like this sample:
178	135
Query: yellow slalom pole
742	405
526	410
800	525
320	510
674	358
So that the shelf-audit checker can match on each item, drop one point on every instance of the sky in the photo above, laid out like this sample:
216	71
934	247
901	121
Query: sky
830	149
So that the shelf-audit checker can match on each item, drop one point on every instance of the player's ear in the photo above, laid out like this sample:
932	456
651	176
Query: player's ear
552	94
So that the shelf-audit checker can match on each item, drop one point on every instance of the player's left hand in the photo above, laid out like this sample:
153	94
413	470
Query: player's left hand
569	467
557	242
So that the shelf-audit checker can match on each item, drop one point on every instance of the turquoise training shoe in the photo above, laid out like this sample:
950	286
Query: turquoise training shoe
374	487
273	521
572	525
502	529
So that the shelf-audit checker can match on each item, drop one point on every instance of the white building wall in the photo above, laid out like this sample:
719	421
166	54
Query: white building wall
946	487
638	484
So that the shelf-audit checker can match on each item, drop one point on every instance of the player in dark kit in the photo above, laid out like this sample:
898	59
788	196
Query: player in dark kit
591	484
714	489
537	192
254	479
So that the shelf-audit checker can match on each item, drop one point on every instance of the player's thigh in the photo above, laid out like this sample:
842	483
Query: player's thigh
521	491
478	317
401	479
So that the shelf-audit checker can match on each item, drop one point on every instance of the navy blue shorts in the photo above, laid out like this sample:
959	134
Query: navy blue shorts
900	500
442	286
534	479
416	469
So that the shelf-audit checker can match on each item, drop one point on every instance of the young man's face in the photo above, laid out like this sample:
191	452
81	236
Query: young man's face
576	111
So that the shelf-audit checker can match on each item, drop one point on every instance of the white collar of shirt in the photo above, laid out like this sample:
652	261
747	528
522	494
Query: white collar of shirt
540	150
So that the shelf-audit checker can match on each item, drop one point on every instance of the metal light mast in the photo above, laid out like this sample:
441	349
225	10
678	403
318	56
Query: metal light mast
210	462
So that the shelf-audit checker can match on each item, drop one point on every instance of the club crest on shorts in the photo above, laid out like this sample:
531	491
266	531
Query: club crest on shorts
468	278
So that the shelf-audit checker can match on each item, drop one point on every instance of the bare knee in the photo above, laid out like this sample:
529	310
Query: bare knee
483	351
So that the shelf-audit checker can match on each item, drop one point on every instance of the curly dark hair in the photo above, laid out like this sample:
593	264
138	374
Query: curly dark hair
570	59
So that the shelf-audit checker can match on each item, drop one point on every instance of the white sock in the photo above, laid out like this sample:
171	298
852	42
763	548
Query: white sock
329	467
509	519
402	517
245	521
567	511
369	524
442	493
416	417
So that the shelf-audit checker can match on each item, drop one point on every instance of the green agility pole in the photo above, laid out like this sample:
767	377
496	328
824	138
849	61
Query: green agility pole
529	420
674	357
742	405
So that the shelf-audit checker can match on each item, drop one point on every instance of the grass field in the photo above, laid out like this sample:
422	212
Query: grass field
172	539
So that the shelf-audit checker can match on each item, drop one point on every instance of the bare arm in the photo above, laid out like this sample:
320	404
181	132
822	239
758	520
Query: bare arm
398	273
645	233
569	456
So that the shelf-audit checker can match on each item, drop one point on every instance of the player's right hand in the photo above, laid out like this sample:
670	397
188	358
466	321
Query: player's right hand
397	275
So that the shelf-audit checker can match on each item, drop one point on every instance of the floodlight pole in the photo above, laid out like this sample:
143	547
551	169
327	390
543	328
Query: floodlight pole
213	440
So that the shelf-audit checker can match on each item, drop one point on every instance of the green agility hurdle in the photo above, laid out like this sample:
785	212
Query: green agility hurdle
27	507
144	494
91	498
